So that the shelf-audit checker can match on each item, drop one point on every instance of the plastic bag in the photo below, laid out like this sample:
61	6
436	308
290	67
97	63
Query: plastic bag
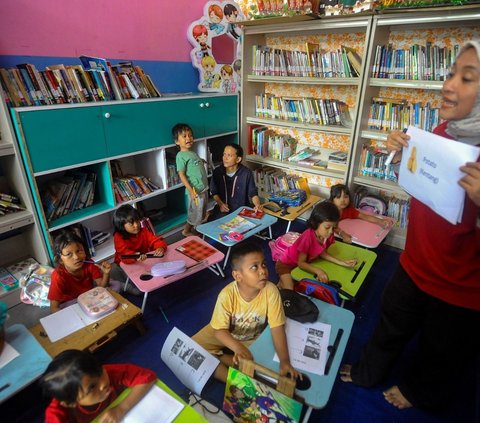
35	285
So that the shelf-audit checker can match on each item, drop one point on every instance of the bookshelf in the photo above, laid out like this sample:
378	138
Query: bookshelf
442	30
330	35
134	136
20	234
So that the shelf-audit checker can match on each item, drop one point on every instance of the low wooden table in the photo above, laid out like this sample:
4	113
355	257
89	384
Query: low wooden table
293	212
95	335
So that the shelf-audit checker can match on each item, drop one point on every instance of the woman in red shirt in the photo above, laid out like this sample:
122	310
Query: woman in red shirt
435	290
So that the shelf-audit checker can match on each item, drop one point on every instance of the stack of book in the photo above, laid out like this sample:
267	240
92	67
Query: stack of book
97	80
270	180
73	191
132	186
9	204
309	157
372	163
267	143
337	161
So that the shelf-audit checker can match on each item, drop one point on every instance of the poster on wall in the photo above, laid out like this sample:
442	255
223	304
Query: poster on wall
216	51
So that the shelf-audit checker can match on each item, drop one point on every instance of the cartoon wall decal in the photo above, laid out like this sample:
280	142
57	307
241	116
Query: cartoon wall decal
216	42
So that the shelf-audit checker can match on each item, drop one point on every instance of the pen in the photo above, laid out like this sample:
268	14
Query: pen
392	153
7	385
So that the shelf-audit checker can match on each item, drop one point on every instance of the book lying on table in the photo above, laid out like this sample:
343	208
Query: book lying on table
190	362
251	213
238	224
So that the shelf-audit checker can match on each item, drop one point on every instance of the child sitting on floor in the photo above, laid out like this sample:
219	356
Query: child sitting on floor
311	244
192	173
340	196
243	310
81	388
74	274
131	238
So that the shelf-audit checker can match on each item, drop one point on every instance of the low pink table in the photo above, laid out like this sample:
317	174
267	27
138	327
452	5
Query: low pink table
135	270
365	234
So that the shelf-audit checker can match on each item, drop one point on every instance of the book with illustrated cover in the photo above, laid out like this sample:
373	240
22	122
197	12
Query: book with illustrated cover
7	280
196	250
251	213
238	224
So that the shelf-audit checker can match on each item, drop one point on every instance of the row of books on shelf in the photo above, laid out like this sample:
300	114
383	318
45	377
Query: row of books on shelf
386	114
372	163
321	159
267	143
9	204
73	191
423	63
92	239
398	209
132	186
314	62
270	180
96	80
315	111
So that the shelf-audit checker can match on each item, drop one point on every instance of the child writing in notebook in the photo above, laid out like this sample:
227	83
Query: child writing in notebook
81	388
243	310
192	173
75	273
310	245
130	238
340	196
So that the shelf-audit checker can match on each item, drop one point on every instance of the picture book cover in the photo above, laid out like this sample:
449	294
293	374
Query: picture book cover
196	250
249	400
238	224
7	280
252	214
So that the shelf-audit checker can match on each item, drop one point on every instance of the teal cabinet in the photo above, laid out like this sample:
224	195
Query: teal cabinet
221	115
56	138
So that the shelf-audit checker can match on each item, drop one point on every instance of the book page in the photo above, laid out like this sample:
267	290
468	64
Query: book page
429	171
8	354
190	362
156	406
307	345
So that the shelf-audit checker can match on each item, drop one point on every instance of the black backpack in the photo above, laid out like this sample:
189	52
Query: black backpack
298	307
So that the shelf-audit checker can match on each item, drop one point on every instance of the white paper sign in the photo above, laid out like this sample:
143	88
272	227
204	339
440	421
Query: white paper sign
430	171
307	345
190	362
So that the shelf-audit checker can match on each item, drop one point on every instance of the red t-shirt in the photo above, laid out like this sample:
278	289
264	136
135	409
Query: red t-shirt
66	287
121	376
143	242
349	213
444	259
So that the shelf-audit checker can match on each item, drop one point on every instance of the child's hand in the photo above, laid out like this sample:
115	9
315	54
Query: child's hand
321	276
159	252
350	263
142	257
224	208
114	415
386	222
286	369
258	208
241	352
346	237
106	267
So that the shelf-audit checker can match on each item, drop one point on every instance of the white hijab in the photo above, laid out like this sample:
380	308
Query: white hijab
467	130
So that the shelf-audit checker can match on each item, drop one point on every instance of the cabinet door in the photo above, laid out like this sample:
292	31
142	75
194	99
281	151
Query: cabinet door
134	127
62	137
221	115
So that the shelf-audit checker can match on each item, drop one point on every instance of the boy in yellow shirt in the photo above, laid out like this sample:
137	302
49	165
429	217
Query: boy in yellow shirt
243	310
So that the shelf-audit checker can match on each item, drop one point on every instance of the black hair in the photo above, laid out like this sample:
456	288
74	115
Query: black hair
240	250
125	214
336	191
229	9
237	65
179	129
63	378
65	238
238	149
323	212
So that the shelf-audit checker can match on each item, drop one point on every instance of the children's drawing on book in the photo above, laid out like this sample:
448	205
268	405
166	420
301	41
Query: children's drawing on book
216	51
238	224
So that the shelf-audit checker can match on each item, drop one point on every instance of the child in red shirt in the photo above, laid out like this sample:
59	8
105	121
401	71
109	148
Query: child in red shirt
74	275
340	196
81	388
131	238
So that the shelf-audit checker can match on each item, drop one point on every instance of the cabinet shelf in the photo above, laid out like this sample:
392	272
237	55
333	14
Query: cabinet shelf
79	215
299	125
302	80
267	161
16	220
406	83
377	183
374	135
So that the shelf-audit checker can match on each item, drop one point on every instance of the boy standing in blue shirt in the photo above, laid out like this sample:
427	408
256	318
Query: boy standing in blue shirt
192	173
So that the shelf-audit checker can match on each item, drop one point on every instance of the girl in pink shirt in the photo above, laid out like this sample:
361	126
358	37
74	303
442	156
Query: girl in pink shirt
313	243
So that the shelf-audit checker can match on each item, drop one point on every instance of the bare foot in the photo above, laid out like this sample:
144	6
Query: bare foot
396	398
185	234
345	373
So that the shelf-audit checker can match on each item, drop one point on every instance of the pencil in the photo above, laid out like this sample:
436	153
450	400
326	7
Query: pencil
195	198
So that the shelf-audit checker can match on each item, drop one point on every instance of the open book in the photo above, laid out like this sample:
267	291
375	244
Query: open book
190	362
